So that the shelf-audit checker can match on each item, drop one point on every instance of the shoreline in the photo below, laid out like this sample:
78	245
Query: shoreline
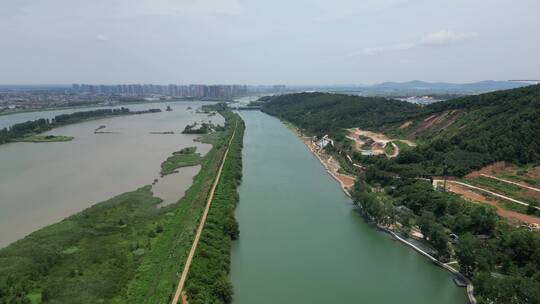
469	286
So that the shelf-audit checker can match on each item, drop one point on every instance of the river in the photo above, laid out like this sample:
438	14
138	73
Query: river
42	183
301	240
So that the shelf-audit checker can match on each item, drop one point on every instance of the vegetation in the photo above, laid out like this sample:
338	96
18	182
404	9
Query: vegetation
455	137
462	134
208	280
389	149
19	131
45	138
322	113
204	128
124	250
86	258
183	158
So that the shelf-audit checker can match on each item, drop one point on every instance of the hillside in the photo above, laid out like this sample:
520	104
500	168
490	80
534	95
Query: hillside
472	131
464	133
321	113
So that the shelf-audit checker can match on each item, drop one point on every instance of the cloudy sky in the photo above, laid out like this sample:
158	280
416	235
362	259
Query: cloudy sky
267	42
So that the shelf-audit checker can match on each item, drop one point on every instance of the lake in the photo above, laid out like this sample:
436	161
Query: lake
42	183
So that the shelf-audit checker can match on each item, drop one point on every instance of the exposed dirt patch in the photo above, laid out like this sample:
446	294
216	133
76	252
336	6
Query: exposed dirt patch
493	169
534	194
534	173
476	197
379	141
406	124
435	123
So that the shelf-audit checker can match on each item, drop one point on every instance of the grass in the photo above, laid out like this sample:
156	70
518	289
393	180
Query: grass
506	189
183	158
520	176
88	257
389	149
123	250
402	146
44	138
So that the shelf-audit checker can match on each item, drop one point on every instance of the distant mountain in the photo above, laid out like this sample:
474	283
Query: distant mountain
422	87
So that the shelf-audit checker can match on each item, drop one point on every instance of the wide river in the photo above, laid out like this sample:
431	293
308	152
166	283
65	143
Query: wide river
41	183
302	242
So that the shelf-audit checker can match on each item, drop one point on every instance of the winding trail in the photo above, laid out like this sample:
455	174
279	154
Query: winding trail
179	290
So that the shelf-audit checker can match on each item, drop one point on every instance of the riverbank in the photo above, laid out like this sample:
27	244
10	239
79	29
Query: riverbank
123	250
332	167
332	170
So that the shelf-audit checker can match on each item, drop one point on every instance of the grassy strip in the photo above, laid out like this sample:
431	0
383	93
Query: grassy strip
183	158
44	138
156	279
208	280
124	250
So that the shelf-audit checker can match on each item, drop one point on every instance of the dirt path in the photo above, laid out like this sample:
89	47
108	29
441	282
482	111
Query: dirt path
489	192
179	290
510	182
476	197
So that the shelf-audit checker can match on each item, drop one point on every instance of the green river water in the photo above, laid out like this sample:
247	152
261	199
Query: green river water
301	240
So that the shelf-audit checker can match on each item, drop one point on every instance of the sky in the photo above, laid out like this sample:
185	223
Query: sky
293	42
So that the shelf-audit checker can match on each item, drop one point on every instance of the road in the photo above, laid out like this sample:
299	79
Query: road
435	181
511	182
185	272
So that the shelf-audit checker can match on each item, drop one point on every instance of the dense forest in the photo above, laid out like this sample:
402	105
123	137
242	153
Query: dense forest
41	125
455	136
321	113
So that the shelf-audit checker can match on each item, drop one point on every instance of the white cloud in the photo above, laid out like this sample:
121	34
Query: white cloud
381	49
440	38
445	37
338	9
181	7
101	37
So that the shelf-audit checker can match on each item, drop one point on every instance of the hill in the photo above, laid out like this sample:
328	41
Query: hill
464	133
321	113
472	131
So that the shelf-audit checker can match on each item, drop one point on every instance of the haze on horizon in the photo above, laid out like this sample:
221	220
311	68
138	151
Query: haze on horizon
256	42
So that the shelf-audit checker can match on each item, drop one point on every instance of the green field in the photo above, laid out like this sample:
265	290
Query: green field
123	250
509	190
183	158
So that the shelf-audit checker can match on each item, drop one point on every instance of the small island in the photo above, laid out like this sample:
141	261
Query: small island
45	138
